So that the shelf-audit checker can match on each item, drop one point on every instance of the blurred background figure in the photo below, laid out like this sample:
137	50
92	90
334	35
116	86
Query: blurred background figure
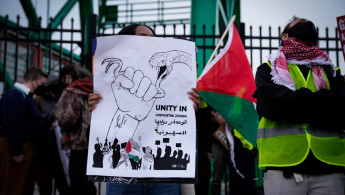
50	166
74	119
241	162
219	157
204	134
20	130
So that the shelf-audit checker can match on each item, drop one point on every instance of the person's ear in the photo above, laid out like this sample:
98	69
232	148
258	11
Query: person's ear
284	36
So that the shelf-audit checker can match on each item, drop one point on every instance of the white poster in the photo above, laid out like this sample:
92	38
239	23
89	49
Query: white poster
144	127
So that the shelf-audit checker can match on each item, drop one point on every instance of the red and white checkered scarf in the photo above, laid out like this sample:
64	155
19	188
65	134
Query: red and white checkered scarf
297	53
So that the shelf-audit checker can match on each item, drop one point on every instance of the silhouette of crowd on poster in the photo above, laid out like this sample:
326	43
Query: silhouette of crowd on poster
178	160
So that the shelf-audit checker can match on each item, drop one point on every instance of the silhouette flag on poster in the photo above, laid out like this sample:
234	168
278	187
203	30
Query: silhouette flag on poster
227	85
133	150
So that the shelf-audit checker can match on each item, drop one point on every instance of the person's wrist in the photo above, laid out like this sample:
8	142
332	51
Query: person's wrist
124	130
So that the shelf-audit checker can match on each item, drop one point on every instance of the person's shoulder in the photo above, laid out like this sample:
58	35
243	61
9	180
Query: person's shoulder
14	93
13	97
264	66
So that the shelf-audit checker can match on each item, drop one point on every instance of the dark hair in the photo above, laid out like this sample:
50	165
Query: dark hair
66	70
130	29
34	73
303	29
286	28
75	71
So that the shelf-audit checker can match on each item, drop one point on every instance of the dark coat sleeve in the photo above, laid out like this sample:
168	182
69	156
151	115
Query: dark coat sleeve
277	102
13	109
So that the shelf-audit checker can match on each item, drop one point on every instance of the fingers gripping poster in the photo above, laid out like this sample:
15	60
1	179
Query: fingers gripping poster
144	127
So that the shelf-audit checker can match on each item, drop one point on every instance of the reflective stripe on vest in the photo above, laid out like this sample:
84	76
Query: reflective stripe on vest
287	144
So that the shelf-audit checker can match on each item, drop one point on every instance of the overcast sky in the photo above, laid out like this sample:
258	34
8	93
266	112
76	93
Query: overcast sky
278	12
257	13
253	12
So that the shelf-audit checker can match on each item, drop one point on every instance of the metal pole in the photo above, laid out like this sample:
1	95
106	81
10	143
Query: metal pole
71	54
28	47
50	46
82	45
5	55
92	35
61	56
39	43
16	52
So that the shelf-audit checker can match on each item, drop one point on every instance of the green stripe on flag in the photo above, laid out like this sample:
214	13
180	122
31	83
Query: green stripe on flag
135	158
238	112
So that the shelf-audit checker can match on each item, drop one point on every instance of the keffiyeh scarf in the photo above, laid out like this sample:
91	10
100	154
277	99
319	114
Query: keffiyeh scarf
297	53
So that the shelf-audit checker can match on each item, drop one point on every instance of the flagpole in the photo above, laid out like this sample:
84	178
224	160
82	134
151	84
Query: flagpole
221	40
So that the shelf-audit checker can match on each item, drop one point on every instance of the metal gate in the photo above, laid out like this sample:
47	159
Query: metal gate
47	48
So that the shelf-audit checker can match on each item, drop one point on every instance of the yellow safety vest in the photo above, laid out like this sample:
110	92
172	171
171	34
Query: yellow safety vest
288	144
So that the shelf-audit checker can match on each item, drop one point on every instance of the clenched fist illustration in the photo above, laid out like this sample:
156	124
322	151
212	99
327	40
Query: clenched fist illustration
134	93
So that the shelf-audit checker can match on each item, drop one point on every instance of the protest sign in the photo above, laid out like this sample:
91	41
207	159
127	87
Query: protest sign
144	127
341	30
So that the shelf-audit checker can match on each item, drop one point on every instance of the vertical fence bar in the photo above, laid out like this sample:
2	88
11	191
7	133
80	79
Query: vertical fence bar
336	47
39	43
184	29
204	44
103	31
82	45
270	38
260	43
164	29
60	49
214	34
327	41
92	29
50	44
5	55
174	26
16	52
317	30
71	54
251	44
154	27
242	32
193	33
28	46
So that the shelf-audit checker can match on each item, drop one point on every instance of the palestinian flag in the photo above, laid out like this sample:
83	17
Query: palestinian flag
133	150
227	85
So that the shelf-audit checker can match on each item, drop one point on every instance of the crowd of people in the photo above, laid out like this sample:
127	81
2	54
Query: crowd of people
300	144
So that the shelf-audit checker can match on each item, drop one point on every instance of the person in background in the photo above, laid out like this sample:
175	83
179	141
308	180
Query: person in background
151	188
74	119
50	166
21	128
241	161
219	157
301	138
204	135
